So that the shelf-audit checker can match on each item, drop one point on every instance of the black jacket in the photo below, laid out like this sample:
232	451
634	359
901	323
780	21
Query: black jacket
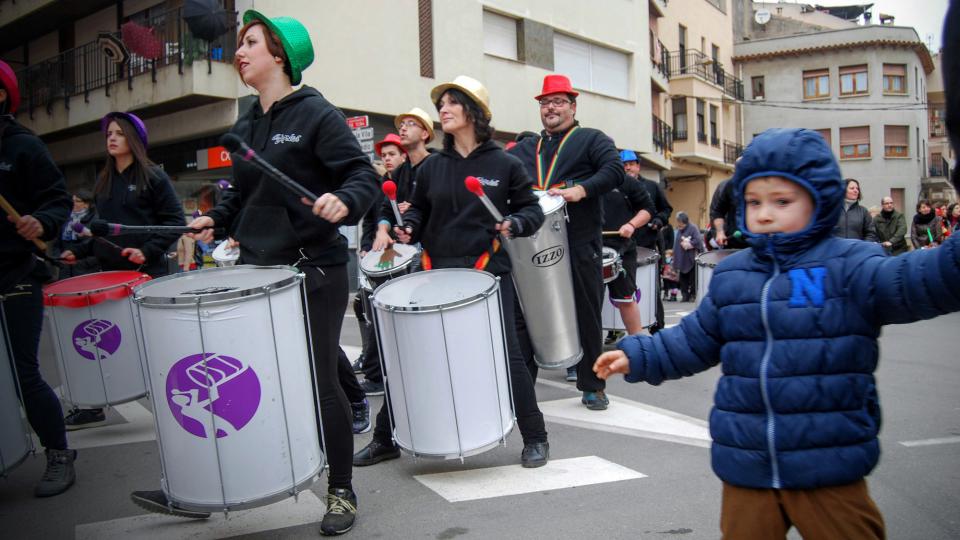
33	185
405	176
855	222
620	206
307	138
589	159
454	227
647	236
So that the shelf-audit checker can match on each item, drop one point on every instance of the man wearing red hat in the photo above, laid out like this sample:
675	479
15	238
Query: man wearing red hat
31	183
581	164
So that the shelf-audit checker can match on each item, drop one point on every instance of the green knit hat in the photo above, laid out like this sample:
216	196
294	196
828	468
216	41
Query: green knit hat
294	37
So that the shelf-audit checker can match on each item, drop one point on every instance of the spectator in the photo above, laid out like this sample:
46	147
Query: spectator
76	233
891	228
686	245
952	221
855	220
927	229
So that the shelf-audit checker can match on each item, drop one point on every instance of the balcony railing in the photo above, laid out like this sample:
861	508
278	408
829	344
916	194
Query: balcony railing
714	142
701	137
731	151
662	135
660	62
680	135
938	131
937	171
701	65
83	69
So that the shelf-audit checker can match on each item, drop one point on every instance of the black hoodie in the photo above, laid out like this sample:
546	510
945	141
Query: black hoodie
405	176
307	138
33	185
454	227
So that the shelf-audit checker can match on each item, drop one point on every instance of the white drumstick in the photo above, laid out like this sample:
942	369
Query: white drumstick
390	190
474	186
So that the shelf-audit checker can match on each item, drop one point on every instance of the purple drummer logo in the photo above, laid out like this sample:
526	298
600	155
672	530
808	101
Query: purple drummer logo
95	339
225	392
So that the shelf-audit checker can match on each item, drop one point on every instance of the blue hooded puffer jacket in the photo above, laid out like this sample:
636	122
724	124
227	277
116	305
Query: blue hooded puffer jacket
794	321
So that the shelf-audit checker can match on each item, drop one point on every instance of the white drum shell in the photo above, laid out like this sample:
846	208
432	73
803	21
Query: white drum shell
15	441
446	369
647	276
116	378
278	451
706	262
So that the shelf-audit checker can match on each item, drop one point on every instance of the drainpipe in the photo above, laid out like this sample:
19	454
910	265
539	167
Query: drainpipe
741	140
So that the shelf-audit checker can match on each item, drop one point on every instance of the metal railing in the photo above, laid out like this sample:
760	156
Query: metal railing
714	141
731	151
937	171
696	63
701	137
662	135
680	135
85	68
661	65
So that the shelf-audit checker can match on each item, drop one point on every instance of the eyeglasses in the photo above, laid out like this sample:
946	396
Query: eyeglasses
556	102
409	123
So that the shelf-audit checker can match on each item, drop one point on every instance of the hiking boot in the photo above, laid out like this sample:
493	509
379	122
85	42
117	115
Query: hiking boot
372	388
595	401
374	453
361	417
84	418
572	374
535	454
157	502
59	475
341	512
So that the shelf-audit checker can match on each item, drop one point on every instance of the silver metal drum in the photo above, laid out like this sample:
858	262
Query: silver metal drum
15	441
543	277
612	264
231	379
648	289
706	262
445	362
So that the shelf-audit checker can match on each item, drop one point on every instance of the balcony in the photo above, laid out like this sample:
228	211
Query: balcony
701	137
662	136
680	135
700	65
731	152
936	171
714	141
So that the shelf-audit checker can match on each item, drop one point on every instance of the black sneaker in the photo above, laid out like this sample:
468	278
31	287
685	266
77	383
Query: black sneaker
84	418
361	417
535	454
157	502
372	388
59	475
374	453
341	512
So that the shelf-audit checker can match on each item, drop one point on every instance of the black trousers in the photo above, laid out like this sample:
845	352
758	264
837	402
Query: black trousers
348	379
529	418
688	284
23	317
327	292
370	353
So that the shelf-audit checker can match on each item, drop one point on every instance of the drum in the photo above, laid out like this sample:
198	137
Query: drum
365	290
445	362
543	277
224	255
706	262
96	342
397	260
648	290
612	265
232	384
15	441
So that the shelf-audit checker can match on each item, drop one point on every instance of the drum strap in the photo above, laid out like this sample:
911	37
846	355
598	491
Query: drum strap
544	181
480	264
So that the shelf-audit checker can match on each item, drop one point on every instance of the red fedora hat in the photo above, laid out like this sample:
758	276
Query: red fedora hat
391	138
556	84
8	80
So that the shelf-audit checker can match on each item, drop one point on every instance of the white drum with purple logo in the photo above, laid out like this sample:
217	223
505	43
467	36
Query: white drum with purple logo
706	262
445	362
646	296
15	441
232	384
96	342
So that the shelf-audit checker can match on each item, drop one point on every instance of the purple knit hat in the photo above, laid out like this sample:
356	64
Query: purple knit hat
129	117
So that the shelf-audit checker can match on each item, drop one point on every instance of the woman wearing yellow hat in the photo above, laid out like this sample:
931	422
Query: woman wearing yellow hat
306	137
457	231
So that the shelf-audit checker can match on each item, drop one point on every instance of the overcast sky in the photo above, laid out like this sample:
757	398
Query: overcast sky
924	15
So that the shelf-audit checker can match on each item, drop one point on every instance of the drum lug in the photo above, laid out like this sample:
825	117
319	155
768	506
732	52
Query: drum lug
556	226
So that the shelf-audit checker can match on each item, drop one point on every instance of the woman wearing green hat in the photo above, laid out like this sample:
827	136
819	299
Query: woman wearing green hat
306	137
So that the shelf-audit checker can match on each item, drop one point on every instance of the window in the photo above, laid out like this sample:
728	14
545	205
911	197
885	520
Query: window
683	46
592	67
499	35
825	133
816	83
895	141
714	138
757	84
853	80
701	121
894	79
855	142
679	118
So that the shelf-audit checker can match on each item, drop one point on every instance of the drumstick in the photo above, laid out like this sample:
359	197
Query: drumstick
611	233
12	212
474	186
390	190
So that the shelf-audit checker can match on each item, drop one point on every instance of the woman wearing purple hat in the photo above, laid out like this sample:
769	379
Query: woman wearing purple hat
130	190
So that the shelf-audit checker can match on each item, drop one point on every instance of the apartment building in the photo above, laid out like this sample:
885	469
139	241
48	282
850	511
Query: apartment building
936	185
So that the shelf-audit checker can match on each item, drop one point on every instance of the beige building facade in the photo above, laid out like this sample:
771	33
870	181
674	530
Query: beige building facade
936	185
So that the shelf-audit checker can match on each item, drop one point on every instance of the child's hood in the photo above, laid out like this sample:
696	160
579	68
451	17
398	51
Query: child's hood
804	157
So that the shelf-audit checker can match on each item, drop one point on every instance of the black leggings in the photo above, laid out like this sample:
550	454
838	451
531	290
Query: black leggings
327	291
348	379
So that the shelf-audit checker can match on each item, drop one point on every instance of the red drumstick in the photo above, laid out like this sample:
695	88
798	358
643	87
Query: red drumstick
390	190
474	186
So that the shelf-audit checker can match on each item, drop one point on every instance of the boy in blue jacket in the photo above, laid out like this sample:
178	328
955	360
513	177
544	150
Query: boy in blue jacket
795	320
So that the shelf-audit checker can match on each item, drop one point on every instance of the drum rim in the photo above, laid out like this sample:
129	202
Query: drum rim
391	271
295	277
556	198
456	455
459	303
89	292
700	259
285	493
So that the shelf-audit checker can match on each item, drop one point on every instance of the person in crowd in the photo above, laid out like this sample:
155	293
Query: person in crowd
952	221
927	228
855	220
723	217
687	244
306	137
795	320
76	235
891	228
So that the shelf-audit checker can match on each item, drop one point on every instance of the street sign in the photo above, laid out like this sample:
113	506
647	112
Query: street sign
364	134
357	122
366	146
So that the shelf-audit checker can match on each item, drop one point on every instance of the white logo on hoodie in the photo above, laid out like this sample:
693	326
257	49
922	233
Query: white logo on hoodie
491	182
281	138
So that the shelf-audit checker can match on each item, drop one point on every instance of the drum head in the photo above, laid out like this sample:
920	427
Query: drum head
609	255
435	289
387	262
215	284
91	289
225	254
550	203
646	256
713	258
